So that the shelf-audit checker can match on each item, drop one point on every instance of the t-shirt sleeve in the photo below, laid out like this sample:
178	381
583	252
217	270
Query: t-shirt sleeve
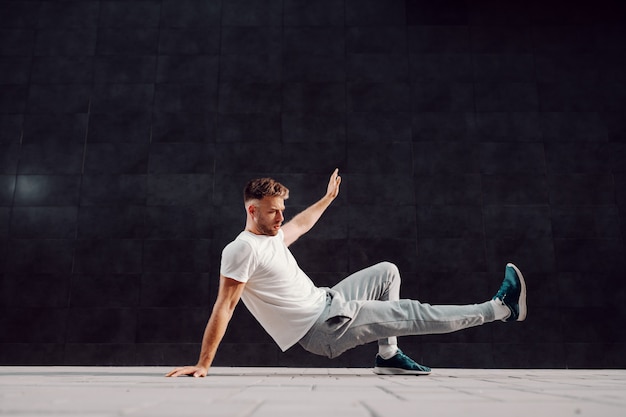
238	261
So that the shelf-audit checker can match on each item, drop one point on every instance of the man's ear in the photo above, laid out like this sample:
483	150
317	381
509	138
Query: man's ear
250	209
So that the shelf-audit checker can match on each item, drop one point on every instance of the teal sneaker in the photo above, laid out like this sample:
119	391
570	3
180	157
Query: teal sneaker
512	293
399	364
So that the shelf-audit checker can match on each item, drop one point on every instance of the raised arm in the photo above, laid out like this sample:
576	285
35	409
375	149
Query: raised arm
304	221
227	298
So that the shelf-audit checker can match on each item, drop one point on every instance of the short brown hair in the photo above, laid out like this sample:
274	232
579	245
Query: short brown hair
264	187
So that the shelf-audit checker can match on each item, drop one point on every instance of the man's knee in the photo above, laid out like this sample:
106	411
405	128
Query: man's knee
390	269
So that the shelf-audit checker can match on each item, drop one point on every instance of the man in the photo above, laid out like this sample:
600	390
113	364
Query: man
258	268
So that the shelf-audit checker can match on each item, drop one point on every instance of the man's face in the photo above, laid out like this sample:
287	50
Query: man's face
268	215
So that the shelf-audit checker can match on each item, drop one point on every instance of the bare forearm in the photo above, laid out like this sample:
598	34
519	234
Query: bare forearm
213	334
307	218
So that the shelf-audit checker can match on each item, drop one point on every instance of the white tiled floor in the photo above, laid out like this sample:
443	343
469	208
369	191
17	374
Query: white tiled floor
303	392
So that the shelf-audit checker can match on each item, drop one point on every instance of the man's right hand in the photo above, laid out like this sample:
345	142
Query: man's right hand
195	371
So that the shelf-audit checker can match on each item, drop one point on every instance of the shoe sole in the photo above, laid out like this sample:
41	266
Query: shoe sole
522	295
398	371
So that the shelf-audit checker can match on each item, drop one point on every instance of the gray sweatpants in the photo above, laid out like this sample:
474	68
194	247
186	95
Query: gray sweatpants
366	307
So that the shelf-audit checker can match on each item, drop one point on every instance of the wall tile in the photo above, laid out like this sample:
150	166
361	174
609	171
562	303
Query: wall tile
312	158
249	127
391	190
378	127
197	69
15	69
448	39
122	222
176	255
190	13
449	12
313	97
174	222
368	157
586	222
446	157
143	13
7	189
127	127
183	127
122	41
375	222
70	14
442	126
100	354
19	14
95	256
252	13
304	67
178	98
250	68
383	39
589	255
35	290
45	256
314	40
121	98
245	40
175	289
50	158
55	129
116	158
501	39
522	189
441	67
441	96
450	255
34	325
66	41
249	98
171	325
11	128
581	189
101	325
124	69
181	158
375	12
512	158
531	255
508	96
47	190
184	41
179	189
43	222
32	353
313	127
113	190
58	98
319	13
451	189
373	97
110	290
450	222
377	68
517	222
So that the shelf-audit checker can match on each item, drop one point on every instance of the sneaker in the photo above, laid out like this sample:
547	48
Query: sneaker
399	364
512	293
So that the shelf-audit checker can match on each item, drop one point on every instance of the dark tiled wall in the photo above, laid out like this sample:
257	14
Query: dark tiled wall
468	134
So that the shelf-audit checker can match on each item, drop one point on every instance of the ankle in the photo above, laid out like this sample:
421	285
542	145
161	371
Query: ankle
387	351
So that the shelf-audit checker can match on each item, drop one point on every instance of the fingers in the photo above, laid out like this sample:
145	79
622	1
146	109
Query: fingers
187	370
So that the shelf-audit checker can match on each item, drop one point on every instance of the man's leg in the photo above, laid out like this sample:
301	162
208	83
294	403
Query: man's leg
379	282
372	320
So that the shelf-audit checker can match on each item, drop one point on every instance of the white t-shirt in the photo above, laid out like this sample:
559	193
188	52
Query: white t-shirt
278	293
